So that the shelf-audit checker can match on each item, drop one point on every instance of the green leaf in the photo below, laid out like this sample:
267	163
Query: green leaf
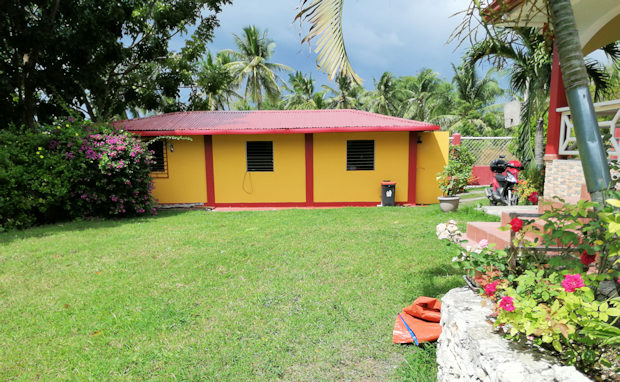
557	346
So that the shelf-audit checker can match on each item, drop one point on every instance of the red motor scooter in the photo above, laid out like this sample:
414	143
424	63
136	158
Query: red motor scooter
502	190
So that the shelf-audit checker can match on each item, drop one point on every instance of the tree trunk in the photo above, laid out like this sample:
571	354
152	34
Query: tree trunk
574	76
539	149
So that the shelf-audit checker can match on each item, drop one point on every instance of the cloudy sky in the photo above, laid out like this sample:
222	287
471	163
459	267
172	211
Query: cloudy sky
400	36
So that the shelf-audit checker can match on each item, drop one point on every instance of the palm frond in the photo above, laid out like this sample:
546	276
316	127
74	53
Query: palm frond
325	19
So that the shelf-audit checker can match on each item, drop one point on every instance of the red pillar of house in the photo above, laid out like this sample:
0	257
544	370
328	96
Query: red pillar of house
557	98
309	144
208	140
413	163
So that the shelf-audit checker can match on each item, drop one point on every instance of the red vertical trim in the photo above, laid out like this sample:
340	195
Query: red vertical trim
309	169
456	139
209	170
413	163
557	98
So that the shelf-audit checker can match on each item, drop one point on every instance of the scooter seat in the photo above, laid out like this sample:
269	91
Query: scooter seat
500	178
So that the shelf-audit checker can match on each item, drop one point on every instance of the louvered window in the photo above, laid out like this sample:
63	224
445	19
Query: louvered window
159	156
360	155
259	156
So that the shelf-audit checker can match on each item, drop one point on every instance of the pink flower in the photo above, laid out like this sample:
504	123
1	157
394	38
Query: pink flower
618	280
483	243
507	304
489	289
587	259
516	224
572	282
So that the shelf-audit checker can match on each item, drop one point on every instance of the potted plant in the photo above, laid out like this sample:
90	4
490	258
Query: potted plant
454	177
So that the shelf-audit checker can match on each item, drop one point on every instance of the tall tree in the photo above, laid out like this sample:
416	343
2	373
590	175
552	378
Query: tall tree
96	58
252	68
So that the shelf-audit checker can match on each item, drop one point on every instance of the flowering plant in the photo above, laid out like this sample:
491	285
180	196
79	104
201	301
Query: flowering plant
566	303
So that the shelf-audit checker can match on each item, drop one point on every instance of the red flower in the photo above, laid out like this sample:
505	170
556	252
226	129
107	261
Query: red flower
516	224
507	304
587	259
533	198
572	282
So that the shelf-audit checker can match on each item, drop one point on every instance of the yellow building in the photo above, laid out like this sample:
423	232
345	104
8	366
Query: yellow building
291	158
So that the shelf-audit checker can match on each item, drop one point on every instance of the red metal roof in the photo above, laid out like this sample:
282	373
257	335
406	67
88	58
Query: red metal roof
269	122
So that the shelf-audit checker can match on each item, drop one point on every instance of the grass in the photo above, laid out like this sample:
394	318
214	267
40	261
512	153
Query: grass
291	294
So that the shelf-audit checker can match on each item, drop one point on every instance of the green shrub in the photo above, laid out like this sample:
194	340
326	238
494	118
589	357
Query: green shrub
71	169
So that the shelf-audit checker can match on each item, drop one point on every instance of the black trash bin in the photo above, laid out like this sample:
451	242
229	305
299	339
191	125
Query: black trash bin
388	189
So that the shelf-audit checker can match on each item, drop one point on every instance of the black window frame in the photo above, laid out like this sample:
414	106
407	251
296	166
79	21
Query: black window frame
259	156
361	155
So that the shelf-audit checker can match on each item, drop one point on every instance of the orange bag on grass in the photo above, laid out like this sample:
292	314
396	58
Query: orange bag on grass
418	322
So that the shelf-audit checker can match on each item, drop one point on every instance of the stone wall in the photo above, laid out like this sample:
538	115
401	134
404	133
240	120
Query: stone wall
468	350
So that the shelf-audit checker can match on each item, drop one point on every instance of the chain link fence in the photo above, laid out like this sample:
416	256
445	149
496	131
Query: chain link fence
485	149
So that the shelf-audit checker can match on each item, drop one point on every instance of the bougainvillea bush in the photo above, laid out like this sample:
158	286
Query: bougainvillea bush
564	302
72	169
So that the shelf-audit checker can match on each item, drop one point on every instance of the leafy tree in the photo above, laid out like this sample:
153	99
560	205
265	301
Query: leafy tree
252	68
96	57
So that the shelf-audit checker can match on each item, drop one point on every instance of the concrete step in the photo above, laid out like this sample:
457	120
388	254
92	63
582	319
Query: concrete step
477	231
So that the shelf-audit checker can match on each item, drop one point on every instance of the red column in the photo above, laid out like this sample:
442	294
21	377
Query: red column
209	170
557	98
413	163
309	169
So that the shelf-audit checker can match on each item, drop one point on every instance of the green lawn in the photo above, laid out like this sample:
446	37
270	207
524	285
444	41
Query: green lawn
291	294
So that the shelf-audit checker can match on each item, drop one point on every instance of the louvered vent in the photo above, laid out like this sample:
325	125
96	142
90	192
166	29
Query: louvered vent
360	155
259	156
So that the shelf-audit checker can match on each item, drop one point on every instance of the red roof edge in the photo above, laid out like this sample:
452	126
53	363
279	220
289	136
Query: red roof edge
148	133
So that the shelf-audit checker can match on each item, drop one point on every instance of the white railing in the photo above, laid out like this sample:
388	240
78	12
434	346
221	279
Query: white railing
568	142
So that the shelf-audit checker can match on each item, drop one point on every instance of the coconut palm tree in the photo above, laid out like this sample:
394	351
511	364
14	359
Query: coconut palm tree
346	95
252	68
425	96
214	83
302	94
384	99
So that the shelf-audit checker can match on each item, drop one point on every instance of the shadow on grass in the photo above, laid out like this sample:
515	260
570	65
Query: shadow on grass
82	225
433	282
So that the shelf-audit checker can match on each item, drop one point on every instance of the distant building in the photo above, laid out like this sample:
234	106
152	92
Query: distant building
512	114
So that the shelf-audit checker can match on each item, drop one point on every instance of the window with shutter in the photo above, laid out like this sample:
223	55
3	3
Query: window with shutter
360	155
259	156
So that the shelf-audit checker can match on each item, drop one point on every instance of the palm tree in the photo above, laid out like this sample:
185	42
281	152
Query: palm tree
346	95
424	96
383	99
473	105
215	83
303	95
252	68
